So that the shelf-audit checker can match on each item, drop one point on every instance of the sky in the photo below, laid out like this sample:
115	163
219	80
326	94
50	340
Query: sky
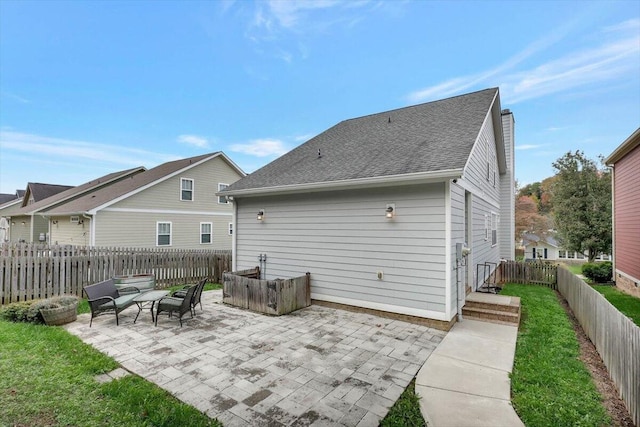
92	87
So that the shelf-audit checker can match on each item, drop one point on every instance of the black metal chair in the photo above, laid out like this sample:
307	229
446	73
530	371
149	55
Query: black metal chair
104	297
180	306
197	295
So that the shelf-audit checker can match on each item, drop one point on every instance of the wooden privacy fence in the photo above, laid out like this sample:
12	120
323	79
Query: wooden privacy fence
527	272
280	296
29	271
615	336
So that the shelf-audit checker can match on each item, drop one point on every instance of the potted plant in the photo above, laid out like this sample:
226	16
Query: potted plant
58	310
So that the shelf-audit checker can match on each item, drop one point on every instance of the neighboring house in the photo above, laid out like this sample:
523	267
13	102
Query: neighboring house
24	227
625	162
540	247
373	207
173	205
35	223
9	203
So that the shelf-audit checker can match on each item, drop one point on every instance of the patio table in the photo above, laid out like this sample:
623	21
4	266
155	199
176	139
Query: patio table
152	297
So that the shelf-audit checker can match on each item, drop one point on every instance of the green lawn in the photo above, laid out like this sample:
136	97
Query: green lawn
550	386
47	379
625	303
574	268
406	411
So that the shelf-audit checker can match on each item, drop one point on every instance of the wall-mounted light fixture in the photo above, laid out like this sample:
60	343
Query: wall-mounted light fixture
24	223
13	223
80	222
390	212
260	216
54	222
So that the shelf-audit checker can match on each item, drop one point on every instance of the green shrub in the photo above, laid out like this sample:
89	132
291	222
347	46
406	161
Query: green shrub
29	311
599	272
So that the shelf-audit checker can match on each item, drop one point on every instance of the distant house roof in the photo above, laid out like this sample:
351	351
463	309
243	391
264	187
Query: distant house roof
41	191
105	196
79	190
4	197
435	138
625	148
529	239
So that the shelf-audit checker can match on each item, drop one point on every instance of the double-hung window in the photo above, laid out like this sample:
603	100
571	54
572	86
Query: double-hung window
206	233
222	199
163	234
495	218
186	189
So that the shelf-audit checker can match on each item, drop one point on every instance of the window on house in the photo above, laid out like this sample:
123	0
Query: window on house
605	257
495	218
533	252
562	254
487	227
186	189
579	255
163	233
571	255
230	229
222	199
206	232
546	253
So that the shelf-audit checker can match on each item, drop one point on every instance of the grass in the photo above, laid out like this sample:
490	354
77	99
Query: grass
47	378
625	303
406	411
574	268
550	386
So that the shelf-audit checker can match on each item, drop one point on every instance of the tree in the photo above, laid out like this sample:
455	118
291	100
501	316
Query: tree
528	219
581	198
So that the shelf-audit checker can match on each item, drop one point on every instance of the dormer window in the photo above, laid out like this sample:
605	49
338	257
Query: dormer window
186	189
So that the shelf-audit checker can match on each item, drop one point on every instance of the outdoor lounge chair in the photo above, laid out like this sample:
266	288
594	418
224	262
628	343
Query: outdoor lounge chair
197	295
104	297
180	306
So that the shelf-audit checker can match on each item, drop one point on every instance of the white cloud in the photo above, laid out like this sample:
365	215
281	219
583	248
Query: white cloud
66	150
261	147
303	138
613	59
194	140
527	146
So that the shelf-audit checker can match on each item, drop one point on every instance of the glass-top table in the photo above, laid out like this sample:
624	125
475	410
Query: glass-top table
148	297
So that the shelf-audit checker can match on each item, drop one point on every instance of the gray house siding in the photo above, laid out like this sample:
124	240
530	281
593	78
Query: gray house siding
343	239
506	233
478	179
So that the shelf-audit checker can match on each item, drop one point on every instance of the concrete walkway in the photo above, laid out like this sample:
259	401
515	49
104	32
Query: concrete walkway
317	366
465	381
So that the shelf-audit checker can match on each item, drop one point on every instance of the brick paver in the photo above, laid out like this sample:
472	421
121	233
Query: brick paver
317	366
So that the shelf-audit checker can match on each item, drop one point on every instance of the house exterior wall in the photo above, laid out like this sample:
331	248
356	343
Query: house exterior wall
18	231
507	196
551	251
626	208
63	232
133	221
482	179
343	239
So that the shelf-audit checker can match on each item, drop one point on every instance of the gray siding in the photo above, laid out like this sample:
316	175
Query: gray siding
133	221
66	233
506	233
485	199
458	234
18	231
343	239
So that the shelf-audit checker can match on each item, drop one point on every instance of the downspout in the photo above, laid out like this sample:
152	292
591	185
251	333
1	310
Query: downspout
92	228
613	223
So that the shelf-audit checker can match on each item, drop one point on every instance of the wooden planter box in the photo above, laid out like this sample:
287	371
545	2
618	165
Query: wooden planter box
277	297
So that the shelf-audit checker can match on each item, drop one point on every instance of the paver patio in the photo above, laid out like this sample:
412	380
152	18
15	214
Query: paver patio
316	366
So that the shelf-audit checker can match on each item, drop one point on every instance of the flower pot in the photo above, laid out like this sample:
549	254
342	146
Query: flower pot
60	315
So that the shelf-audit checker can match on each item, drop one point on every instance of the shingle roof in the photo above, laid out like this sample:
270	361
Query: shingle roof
41	191
78	190
4	198
435	136
107	194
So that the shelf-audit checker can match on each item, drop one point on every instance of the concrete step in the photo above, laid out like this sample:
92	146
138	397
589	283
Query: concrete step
489	315
492	308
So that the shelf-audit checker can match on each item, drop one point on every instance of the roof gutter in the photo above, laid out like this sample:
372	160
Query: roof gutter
349	184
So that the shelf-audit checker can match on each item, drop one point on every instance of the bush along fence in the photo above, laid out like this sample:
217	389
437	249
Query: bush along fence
29	271
615	336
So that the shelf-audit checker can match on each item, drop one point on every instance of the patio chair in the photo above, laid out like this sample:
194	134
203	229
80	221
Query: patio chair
180	306
104	297
197	295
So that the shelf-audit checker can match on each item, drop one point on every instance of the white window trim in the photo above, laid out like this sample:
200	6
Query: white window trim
495	220
220	188
210	242
170	233
193	189
487	227
230	229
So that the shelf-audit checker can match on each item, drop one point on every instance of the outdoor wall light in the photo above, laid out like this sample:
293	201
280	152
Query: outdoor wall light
260	214
390	211
54	222
24	223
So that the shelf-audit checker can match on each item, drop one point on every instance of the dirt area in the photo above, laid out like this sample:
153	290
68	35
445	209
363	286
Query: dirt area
590	357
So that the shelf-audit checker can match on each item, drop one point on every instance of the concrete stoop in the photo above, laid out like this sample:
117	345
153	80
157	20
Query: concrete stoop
492	308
